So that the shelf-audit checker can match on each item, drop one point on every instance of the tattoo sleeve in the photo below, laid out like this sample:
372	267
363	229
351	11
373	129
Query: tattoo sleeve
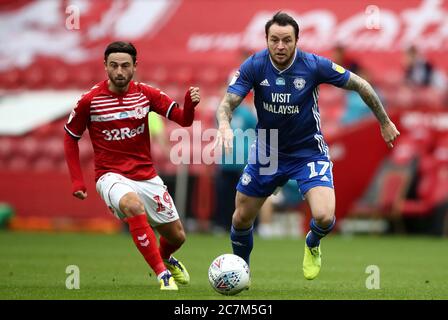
368	95
226	107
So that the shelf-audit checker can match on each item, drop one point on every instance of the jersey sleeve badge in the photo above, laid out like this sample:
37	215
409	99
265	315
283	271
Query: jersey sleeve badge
338	68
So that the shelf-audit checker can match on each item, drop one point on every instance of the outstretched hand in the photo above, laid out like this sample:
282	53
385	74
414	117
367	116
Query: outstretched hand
224	138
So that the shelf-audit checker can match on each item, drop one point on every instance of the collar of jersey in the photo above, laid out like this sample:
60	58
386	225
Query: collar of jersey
281	71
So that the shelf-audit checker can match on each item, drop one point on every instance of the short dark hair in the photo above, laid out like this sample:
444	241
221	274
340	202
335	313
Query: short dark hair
121	46
282	19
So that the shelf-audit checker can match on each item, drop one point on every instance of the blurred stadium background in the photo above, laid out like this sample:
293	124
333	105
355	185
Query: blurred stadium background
47	61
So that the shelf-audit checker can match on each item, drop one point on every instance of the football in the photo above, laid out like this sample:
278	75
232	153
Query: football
229	274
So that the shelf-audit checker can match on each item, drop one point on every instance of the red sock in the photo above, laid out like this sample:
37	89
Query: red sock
146	242
166	248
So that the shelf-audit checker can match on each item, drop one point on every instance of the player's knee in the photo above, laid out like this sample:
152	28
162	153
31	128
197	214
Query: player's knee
135	208
179	238
324	219
131	206
241	219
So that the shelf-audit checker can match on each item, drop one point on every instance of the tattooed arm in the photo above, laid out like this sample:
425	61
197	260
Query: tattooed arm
225	109
224	115
369	96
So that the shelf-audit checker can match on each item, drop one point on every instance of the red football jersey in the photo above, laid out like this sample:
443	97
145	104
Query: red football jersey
118	127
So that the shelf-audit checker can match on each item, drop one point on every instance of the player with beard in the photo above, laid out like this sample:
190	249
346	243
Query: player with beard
285	81
115	111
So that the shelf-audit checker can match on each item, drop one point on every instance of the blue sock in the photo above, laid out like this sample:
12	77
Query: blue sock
242	242
316	233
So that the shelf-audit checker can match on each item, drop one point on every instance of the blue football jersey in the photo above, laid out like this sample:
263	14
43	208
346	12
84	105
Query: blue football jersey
287	100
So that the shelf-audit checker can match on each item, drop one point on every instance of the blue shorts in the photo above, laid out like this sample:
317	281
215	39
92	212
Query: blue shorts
309	172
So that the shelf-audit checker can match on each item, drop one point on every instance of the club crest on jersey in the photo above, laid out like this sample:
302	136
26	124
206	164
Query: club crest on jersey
299	83
245	179
139	113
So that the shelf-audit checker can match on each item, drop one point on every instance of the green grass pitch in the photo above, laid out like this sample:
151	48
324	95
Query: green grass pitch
33	266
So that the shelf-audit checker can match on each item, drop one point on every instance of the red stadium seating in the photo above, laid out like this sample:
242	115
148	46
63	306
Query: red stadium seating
432	187
157	75
6	147
30	148
182	76
11	79
210	77
18	163
84	77
35	77
176	92
390	189
59	78
391	183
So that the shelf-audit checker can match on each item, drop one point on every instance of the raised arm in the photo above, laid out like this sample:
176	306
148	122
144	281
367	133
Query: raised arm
224	114
185	116
369	96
